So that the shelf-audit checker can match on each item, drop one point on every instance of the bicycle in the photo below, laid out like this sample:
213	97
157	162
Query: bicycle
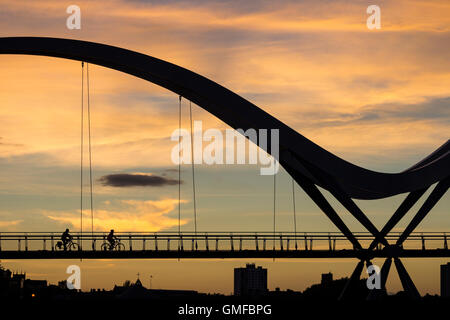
69	246
117	245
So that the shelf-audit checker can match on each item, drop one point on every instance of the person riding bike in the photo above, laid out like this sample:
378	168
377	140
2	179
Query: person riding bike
111	239
66	238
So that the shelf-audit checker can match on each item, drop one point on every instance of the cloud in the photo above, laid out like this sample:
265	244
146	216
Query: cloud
314	66
9	223
132	215
436	110
9	144
431	109
137	180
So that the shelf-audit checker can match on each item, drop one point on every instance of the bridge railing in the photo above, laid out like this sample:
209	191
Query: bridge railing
227	241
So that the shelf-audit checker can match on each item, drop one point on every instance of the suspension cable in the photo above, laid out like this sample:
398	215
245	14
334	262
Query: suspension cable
179	172
90	150
295	218
193	172
274	203
81	151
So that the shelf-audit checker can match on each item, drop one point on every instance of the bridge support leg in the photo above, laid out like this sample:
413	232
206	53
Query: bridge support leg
346	292
407	283
319	199
376	294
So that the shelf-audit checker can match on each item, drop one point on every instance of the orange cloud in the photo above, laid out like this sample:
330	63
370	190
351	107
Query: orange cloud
292	59
9	223
284	17
148	216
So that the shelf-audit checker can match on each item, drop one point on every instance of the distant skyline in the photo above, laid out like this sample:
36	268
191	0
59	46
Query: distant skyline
199	275
314	65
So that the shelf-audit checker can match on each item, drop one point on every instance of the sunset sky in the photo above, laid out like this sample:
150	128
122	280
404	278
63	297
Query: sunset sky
377	98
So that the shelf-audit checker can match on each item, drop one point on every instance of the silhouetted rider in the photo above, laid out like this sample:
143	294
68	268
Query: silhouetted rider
66	238
111	239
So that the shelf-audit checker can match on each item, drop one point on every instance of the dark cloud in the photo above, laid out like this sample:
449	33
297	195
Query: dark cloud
432	109
136	180
437	110
242	7
10	144
171	170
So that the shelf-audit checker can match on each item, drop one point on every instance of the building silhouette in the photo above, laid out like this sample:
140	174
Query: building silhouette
15	285
445	280
327	278
250	281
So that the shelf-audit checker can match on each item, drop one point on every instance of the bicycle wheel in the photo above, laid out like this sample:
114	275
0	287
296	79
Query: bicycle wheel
104	247
120	246
59	246
73	246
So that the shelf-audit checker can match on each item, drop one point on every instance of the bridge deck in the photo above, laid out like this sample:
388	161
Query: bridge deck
188	245
222	254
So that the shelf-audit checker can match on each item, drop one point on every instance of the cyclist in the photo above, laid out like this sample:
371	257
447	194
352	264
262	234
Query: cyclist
66	238
111	239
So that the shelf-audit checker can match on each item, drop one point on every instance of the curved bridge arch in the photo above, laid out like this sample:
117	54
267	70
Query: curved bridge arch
309	164
303	159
